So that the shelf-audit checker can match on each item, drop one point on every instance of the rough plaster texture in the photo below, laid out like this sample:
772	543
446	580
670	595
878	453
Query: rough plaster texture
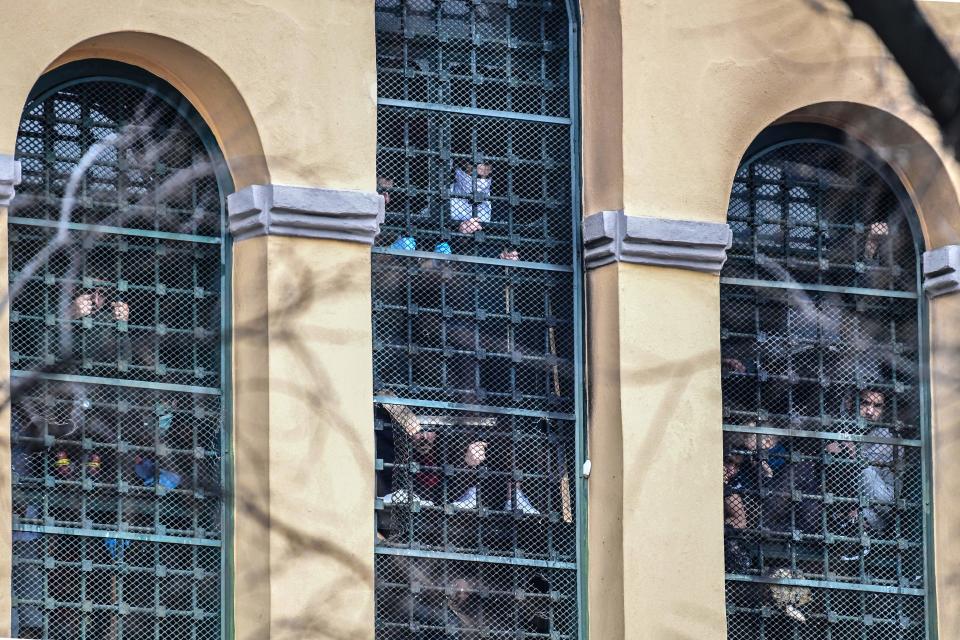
602	105
672	397
272	78
945	403
605	541
941	270
700	81
6	497
9	179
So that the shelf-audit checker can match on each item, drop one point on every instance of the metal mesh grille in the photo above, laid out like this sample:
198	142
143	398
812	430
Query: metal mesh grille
824	478
116	264
475	322
502	55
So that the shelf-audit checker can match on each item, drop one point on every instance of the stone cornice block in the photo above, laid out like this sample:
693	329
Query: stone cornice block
610	236
9	179
941	270
304	212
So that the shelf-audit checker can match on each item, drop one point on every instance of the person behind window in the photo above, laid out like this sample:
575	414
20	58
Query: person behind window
89	304
751	462
465	184
436	450
470	215
877	479
759	458
785	507
102	344
384	185
424	446
735	513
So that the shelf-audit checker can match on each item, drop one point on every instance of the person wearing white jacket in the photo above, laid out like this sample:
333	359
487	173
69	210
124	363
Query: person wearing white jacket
463	206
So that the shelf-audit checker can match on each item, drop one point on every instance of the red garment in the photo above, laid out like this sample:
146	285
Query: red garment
428	479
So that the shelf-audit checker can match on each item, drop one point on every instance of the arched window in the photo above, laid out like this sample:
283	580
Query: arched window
476	320
825	424
118	279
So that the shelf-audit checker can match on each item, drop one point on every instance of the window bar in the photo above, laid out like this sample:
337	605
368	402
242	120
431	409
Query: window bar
750	217
544	77
198	488
474	71
508	62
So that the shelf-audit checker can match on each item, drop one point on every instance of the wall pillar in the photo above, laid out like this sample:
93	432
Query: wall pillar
656	505
941	270
303	535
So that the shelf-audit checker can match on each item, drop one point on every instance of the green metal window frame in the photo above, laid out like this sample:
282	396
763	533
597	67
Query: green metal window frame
579	411
110	71
772	139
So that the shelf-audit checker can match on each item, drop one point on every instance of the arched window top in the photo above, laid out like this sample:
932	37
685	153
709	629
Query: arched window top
500	55
821	211
118	274
146	159
825	431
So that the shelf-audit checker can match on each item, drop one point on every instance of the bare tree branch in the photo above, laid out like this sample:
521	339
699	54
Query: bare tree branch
923	57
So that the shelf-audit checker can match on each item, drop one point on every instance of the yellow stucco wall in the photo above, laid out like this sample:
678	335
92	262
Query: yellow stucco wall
695	85
302	415
288	88
701	80
605	432
602	106
6	496
673	93
313	106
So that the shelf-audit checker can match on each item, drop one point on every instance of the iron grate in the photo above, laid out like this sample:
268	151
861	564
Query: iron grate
116	245
824	441
475	322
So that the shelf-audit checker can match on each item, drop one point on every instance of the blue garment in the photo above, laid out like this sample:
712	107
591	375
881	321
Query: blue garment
112	545
146	470
405	243
777	456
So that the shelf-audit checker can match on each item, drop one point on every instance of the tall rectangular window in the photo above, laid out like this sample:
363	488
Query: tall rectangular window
476	321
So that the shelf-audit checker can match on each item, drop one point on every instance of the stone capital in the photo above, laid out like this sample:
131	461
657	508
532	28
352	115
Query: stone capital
305	212
610	236
941	270
9	179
